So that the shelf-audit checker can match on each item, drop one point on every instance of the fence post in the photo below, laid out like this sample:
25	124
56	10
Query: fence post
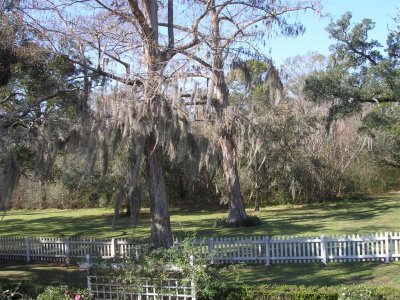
324	250
266	240
67	258
89	284
193	285
28	249
211	249
113	247
387	242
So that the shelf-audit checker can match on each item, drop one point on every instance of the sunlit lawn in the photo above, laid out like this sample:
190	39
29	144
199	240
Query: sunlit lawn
379	214
368	273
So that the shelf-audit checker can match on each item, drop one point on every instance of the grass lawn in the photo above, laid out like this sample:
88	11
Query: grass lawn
378	214
39	276
368	273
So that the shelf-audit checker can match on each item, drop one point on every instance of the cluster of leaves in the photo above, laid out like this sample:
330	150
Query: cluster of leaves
12	292
249	221
35	87
358	72
63	293
292	292
383	125
158	265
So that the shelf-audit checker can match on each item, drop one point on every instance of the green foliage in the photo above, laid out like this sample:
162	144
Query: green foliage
157	265
383	125
184	263
290	292
249	221
12	292
63	293
293	292
211	285
362	292
358	72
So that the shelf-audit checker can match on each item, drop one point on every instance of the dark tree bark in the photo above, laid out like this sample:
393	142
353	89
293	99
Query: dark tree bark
161	234
135	203
257	199
147	19
237	212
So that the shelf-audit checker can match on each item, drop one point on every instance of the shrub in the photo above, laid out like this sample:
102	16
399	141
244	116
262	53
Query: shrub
249	221
11	290
63	293
292	292
362	292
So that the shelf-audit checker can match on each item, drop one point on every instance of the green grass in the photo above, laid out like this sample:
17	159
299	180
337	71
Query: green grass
41	275
378	214
368	273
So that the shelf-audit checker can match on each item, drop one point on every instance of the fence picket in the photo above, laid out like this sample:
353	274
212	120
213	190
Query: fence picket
282	249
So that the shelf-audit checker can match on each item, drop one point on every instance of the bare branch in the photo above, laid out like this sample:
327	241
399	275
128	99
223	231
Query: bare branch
9	97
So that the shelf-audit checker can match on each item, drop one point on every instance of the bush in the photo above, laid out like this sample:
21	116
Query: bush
63	293
292	292
249	221
11	290
362	292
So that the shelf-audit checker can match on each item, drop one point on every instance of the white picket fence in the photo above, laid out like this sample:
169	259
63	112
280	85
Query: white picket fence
52	249
219	250
102	287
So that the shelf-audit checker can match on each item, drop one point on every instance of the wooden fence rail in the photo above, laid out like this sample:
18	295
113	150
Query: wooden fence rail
219	250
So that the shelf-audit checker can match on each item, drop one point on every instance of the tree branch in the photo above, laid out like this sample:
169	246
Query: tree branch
108	74
9	97
141	19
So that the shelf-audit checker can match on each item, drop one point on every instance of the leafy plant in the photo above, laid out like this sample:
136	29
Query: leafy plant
249	221
63	293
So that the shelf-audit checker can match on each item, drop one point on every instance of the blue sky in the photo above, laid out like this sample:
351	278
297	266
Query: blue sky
316	38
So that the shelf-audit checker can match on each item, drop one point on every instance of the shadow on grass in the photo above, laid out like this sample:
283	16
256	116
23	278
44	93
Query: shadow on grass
42	274
62	226
205	228
369	216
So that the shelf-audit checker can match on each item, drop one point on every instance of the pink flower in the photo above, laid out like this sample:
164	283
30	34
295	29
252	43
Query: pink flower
77	297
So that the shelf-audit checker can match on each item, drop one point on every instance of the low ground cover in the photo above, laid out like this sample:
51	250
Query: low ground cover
377	214
30	280
33	278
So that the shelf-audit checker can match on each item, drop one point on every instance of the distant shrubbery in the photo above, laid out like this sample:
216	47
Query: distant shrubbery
293	292
250	221
215	288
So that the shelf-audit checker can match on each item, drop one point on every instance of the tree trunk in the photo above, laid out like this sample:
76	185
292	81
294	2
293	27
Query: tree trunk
237	212
257	200
257	190
161	234
135	203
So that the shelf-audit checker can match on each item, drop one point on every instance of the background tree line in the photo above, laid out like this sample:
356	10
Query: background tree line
78	132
